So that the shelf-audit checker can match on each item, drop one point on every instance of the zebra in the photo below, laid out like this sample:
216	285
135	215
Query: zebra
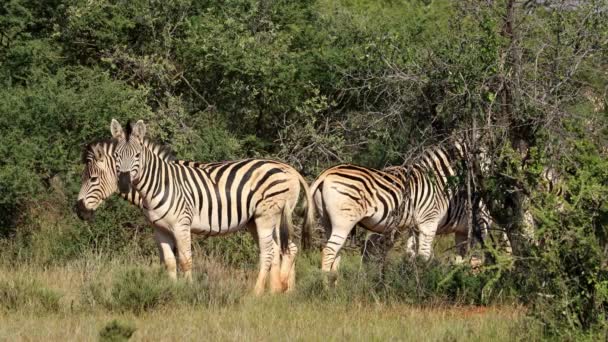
482	219
259	195
418	196
549	182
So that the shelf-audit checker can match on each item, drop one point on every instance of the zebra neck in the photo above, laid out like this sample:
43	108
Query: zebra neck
133	197
151	170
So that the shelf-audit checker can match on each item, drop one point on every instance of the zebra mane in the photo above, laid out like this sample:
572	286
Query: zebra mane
87	151
128	130
164	152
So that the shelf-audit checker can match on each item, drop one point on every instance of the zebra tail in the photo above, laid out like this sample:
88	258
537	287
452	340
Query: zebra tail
309	219
285	230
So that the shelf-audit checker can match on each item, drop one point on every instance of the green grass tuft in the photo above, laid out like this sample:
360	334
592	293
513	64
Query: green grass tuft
116	331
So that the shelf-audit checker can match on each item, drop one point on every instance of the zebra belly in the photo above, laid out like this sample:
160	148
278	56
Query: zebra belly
197	226
200	226
379	223
452	225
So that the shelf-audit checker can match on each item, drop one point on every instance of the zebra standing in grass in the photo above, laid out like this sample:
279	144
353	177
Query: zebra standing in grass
458	225
215	199
417	196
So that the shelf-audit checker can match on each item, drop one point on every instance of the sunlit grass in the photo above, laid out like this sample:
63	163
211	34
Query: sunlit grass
227	310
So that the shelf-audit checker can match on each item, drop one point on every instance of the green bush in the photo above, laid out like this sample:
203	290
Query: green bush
138	290
116	331
404	280
238	250
207	292
28	295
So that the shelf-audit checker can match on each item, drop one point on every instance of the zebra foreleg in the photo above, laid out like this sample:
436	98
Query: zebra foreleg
183	242
426	236
166	244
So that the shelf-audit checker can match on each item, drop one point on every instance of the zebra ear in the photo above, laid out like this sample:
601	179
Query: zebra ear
139	130
117	131
98	153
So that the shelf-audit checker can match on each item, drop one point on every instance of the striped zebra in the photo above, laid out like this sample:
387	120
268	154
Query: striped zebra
180	197
458	225
550	182
417	196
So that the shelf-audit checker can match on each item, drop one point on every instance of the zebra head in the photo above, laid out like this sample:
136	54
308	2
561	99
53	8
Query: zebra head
98	178
128	153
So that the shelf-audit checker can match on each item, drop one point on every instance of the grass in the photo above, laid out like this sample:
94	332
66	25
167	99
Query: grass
95	297
279	319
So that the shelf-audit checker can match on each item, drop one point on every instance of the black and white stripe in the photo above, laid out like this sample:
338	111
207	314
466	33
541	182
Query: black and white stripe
219	198
423	196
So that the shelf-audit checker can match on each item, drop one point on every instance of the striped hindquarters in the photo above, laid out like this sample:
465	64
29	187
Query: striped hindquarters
371	195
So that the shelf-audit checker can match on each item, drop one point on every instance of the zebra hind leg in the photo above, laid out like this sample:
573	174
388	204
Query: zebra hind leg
288	270
411	245
330	258
269	254
460	241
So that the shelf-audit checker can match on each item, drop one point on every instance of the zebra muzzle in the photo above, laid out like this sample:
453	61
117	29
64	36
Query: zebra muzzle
82	211
124	182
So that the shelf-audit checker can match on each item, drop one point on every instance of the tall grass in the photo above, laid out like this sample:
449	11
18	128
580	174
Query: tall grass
86	298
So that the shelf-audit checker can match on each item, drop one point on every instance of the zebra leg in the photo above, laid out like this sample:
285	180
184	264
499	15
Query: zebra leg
288	271
330	258
426	235
269	253
166	244
504	241
528	227
460	241
183	242
410	245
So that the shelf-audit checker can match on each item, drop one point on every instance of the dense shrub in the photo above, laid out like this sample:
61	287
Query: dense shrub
28	296
116	331
315	83
404	280
138	290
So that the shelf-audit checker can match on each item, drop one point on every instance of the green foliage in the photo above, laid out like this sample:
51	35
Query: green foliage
28	295
571	266
314	83
238	249
405	281
139	290
116	331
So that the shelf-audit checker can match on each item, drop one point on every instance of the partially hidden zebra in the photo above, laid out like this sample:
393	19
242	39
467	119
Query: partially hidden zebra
180	197
549	182
418	196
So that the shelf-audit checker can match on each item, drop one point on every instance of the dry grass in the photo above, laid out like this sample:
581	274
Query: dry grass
268	318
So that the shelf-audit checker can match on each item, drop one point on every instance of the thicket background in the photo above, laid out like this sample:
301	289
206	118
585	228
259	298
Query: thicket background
315	83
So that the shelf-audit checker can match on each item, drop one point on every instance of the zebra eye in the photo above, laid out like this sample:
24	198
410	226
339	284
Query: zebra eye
137	155
94	179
